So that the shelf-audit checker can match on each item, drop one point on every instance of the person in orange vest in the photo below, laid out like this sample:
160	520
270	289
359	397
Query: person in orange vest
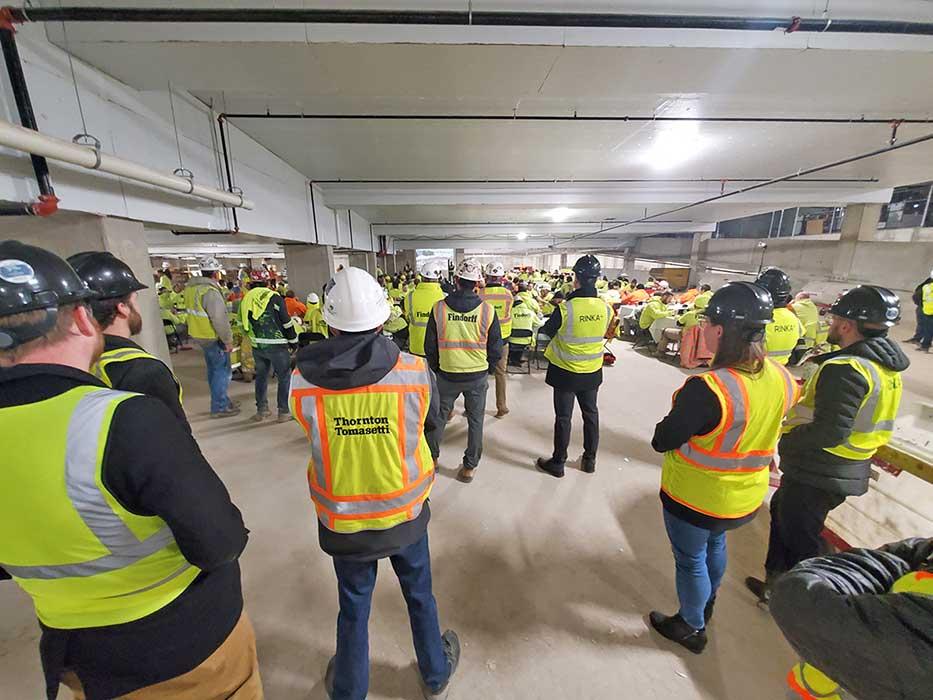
365	407
718	442
861	621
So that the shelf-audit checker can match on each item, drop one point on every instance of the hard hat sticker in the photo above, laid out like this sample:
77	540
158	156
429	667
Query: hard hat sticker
16	272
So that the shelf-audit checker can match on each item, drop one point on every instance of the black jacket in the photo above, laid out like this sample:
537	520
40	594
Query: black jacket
152	466
918	291
840	616
347	362
463	302
558	377
144	376
839	393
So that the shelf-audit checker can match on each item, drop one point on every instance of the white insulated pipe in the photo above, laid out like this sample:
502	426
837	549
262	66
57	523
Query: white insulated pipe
22	139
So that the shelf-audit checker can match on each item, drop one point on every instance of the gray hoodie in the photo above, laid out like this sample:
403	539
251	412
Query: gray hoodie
216	309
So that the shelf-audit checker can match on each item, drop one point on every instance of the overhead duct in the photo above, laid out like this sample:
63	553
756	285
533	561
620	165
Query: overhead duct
37	144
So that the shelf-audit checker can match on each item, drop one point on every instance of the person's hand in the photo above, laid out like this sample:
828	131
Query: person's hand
228	348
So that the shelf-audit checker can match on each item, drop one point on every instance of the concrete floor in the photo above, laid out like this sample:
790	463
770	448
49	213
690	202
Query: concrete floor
547	582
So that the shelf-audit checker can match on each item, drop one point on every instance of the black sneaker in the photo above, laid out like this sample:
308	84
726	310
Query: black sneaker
588	466
761	589
923	349
452	652
549	467
329	676
708	610
677	630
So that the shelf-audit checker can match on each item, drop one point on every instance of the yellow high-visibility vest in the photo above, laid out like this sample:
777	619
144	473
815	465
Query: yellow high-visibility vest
371	467
418	307
874	422
109	357
782	334
724	474
578	345
809	683
314	317
199	323
523	324
462	337
927	293
809	316
501	300
85	560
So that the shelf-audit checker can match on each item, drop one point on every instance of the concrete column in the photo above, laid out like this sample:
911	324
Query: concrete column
406	257
364	261
860	224
695	271
563	261
459	255
310	267
67	233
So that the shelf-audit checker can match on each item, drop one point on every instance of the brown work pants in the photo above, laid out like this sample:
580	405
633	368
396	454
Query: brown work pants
501	376
230	673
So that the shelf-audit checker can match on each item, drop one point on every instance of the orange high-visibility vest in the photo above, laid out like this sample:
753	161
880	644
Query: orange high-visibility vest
371	467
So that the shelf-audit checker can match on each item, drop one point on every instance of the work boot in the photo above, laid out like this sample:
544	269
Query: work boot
551	467
677	630
284	418
588	465
761	589
465	474
329	677
261	415
708	610
452	651
923	349
227	413
502	413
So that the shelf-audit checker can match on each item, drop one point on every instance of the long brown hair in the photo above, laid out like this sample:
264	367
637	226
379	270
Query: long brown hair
740	349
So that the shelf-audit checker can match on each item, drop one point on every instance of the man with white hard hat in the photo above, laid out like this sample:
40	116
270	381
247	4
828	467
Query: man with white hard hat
366	407
209	327
463	345
314	318
501	300
420	303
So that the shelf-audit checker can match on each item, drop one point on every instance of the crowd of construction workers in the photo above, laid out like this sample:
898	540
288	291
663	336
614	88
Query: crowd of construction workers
130	554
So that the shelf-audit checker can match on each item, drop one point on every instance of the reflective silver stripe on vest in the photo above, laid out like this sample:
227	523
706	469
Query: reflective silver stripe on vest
570	357
780	353
82	441
410	312
724	463
308	409
363	509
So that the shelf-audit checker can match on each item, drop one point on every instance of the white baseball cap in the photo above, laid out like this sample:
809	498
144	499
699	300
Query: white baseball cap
354	301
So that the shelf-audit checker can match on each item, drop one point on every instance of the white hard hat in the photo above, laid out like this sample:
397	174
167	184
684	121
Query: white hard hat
313	298
166	265
354	301
470	270
495	269
210	264
432	270
665	284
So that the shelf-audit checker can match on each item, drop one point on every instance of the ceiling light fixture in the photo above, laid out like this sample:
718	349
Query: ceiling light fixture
560	214
521	236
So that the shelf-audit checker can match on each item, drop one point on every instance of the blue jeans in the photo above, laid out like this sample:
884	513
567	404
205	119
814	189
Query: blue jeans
700	558
218	375
276	359
355	583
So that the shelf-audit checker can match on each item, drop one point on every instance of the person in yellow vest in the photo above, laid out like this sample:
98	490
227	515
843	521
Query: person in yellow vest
462	344
129	556
525	323
924	298
124	365
314	318
420	302
656	308
785	331
688	319
706	293
209	327
861	621
718	442
165	278
577	330
529	298
366	407
501	299
397	326
809	316
612	295
847	412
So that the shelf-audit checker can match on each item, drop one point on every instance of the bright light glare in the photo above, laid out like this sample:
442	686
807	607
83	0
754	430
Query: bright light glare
675	144
560	214
521	236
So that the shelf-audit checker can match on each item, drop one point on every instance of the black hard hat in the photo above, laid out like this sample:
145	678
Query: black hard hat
869	304
741	303
776	281
587	267
106	274
33	279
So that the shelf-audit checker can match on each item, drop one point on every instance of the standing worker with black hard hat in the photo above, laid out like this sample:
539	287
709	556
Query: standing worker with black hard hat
577	329
847	412
718	441
785	330
130	558
124	365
